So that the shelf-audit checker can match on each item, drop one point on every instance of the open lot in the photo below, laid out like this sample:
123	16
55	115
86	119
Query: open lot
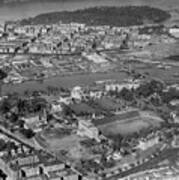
55	142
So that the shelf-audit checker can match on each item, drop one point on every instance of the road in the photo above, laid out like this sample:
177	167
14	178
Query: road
167	153
63	54
17	138
32	146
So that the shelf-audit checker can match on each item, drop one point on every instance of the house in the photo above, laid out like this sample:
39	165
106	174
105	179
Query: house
175	142
174	31
95	94
32	119
20	30
53	166
35	122
118	87
174	102
77	93
72	176
20	166
175	117
56	107
95	58
65	100
145	144
31	170
26	160
63	175
35	177
87	129
10	172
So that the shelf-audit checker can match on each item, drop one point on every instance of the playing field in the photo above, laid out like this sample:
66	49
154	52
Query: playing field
129	127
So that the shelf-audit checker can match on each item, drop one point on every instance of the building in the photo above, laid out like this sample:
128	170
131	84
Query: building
56	107
20	166
174	102
53	166
87	129
145	144
174	31
118	87
77	93
175	117
35	121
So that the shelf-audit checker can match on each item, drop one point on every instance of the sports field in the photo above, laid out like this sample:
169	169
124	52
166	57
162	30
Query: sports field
131	126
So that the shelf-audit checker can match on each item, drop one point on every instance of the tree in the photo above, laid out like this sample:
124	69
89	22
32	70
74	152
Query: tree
94	45
149	88
14	118
126	94
27	93
10	145
5	106
172	93
67	111
28	133
49	117
2	74
117	141
20	123
3	175
2	145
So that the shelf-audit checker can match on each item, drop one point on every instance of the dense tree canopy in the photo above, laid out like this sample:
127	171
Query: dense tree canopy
2	74
113	16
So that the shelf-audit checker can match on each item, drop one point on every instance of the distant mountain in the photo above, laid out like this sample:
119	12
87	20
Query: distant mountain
22	1
114	16
13	1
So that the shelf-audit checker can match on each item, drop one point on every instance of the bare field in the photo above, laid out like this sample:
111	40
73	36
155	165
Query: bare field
70	143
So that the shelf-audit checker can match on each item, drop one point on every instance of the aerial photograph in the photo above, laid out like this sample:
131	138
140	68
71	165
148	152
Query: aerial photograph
89	89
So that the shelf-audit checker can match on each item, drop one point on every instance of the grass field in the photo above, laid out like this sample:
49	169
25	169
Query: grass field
126	128
129	127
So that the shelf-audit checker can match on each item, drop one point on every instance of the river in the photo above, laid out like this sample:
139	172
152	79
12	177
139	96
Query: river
17	11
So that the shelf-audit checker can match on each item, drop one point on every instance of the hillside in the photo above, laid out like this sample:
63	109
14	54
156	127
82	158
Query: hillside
114	16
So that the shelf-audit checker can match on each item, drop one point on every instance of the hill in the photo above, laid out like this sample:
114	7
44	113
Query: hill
114	16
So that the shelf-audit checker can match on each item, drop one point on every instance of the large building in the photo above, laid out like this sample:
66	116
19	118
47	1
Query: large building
87	129
35	167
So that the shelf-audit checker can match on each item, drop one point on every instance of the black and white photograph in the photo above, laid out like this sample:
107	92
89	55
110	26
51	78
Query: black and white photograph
89	89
